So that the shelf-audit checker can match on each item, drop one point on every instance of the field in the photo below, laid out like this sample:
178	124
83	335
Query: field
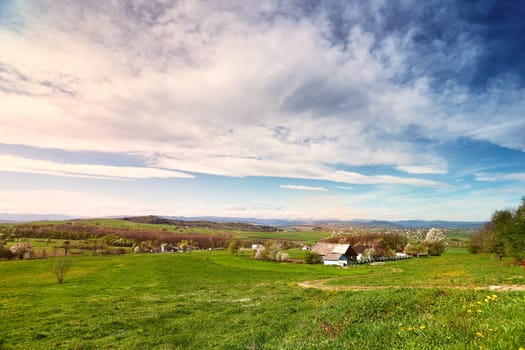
308	236
212	300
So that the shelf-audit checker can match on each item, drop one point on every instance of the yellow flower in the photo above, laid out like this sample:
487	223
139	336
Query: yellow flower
409	328
494	296
479	334
469	311
521	348
422	327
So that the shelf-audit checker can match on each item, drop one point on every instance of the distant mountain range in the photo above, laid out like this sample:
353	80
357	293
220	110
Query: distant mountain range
409	224
12	218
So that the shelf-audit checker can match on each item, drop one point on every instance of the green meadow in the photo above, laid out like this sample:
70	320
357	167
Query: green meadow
213	300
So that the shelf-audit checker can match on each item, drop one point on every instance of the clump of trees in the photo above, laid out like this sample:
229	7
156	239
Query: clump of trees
435	242
23	250
503	236
378	244
273	250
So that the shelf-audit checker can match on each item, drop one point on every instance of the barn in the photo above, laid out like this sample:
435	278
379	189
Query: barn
335	253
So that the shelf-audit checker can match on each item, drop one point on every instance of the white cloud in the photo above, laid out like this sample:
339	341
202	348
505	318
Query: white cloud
221	89
36	166
498	177
291	168
192	92
303	188
421	169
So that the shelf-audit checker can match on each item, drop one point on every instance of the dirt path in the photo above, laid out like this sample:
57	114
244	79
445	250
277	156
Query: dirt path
320	284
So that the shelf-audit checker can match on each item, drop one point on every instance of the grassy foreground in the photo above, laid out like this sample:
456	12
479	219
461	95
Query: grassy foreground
212	300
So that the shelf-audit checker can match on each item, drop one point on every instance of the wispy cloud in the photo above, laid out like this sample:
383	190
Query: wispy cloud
36	166
292	168
500	177
421	169
303	188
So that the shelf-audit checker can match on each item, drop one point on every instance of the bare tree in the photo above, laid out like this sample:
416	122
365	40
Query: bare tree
61	267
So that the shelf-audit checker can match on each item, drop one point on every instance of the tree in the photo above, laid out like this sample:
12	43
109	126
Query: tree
435	242
61	267
5	253
312	257
515	234
503	235
415	249
272	251
22	250
233	247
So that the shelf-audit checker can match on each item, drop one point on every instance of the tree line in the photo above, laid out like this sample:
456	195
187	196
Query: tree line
503	235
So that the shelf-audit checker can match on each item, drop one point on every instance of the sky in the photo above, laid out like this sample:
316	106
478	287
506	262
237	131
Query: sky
304	109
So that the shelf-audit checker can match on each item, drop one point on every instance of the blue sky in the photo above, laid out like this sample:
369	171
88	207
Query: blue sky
267	109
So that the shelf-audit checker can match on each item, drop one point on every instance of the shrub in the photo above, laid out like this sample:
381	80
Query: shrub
434	248
5	253
312	258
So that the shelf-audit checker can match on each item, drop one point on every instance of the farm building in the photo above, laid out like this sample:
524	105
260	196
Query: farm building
335	254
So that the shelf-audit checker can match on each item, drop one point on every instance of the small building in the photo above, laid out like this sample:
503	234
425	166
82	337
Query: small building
335	253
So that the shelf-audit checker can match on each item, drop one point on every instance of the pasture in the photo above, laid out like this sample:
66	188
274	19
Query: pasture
212	300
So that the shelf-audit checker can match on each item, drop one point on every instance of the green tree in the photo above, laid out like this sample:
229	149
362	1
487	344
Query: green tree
233	247
504	235
514	236
312	258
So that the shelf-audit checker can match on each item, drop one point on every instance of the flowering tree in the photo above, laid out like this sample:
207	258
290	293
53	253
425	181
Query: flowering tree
23	250
272	251
435	242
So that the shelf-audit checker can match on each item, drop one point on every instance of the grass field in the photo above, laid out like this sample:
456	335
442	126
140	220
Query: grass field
212	300
308	236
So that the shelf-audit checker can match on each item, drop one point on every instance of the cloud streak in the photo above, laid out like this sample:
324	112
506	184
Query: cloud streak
36	166
303	188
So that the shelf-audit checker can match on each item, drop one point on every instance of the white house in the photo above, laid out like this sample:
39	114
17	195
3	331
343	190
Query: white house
334	253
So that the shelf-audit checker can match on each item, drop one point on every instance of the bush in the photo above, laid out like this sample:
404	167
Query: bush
5	253
312	258
434	248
